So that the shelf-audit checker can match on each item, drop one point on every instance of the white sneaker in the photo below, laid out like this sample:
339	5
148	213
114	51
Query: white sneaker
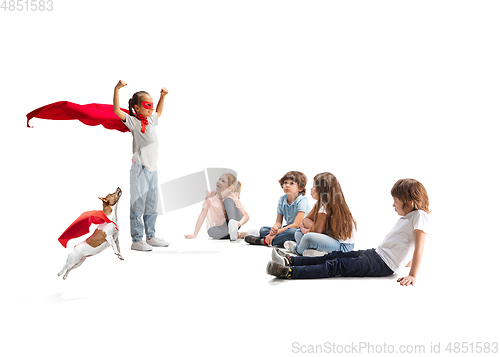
313	253
290	245
141	246
279	257
253	232
157	242
233	230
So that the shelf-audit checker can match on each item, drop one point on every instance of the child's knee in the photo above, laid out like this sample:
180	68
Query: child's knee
264	231
229	202
307	239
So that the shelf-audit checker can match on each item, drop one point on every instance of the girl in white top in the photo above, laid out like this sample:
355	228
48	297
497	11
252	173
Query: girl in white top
329	226
412	204
141	120
223	210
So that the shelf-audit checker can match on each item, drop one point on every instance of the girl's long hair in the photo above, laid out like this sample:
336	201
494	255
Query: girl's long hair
233	182
339	222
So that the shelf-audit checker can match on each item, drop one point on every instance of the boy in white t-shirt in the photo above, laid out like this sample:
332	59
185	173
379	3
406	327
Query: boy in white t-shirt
412	204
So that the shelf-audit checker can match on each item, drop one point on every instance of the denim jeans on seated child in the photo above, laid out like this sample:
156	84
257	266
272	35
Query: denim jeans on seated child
280	238
358	263
143	202
320	242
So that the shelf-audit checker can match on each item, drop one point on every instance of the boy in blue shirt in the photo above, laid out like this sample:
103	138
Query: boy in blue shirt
293	206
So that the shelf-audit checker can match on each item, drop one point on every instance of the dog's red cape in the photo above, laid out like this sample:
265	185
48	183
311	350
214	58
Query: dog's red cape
82	224
89	114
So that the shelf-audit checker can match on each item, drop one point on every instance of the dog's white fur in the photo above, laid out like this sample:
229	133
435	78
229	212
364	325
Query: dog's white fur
83	250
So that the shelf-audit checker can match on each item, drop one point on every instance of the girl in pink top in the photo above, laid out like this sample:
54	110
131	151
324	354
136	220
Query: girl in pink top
223	210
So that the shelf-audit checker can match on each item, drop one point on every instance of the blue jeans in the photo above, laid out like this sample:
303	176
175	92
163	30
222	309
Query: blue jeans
320	242
143	202
354	263
280	238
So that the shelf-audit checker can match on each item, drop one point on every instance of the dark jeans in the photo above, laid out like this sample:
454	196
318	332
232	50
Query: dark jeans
354	263
281	238
232	212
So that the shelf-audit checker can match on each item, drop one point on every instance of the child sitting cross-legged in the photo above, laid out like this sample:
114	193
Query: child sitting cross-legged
330	225
292	207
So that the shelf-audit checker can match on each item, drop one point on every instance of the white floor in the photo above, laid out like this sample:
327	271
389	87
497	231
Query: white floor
370	91
200	296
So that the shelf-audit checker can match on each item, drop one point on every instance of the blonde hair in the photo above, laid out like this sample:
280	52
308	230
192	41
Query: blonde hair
231	179
411	193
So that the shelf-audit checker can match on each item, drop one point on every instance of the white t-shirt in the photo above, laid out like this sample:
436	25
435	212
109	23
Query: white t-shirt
144	145
399	243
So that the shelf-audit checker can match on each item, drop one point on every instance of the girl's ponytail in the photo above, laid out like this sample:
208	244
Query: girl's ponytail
130	108
237	188
235	183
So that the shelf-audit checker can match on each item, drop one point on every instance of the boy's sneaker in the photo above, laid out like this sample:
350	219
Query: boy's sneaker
157	242
290	245
233	230
313	253
254	239
141	246
278	270
281	258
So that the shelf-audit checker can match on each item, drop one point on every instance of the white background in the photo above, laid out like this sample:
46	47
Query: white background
372	91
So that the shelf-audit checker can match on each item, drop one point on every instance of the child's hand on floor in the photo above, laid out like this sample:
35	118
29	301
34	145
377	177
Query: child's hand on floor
407	280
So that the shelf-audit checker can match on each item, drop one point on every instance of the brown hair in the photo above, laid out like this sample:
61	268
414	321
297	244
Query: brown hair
298	177
135	100
411	193
339	222
231	179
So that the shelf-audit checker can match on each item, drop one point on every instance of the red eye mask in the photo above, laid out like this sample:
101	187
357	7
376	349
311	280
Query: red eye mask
147	105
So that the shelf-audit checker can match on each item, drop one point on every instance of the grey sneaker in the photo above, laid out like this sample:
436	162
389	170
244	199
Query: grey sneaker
254	239
141	246
157	242
278	270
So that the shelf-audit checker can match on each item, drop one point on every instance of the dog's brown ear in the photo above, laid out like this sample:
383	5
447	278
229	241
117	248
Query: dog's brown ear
103	199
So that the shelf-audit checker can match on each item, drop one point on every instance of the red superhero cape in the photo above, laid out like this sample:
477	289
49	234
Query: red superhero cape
88	114
82	224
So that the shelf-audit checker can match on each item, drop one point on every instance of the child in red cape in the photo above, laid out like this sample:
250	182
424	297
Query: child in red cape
141	120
